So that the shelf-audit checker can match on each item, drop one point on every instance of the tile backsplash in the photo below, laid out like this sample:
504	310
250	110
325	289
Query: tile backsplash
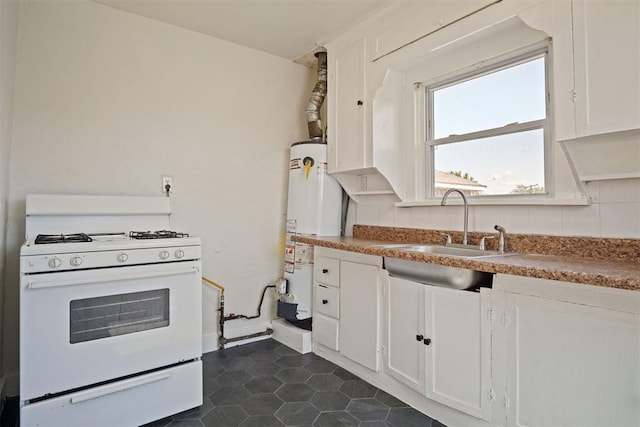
614	212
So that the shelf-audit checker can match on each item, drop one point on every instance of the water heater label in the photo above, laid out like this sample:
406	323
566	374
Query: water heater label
303	255
288	267
295	163
290	247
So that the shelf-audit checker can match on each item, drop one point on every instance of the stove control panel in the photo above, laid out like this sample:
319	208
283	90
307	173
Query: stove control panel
55	263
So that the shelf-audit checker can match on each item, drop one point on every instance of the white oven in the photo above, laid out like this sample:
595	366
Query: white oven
110	327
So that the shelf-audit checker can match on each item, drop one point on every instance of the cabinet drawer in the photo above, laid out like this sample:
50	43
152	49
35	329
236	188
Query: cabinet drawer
325	331
327	271
327	300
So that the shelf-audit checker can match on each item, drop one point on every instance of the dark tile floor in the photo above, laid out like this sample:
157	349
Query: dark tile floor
9	416
266	384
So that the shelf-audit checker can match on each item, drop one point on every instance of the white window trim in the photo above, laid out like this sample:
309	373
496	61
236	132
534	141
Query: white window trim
482	69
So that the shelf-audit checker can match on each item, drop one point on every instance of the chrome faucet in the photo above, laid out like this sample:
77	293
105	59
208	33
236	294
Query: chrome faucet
466	210
502	232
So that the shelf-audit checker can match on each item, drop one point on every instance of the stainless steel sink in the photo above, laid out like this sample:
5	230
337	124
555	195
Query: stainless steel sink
455	251
439	275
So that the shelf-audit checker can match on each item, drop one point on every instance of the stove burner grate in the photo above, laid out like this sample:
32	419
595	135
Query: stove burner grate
161	234
62	238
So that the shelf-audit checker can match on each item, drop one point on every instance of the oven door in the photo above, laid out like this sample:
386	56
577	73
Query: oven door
84	327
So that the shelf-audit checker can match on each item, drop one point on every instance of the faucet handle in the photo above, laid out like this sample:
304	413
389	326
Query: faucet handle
482	242
448	238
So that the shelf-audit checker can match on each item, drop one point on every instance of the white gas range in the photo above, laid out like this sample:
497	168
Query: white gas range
110	316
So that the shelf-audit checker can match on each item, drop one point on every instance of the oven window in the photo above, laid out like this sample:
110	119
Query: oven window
109	316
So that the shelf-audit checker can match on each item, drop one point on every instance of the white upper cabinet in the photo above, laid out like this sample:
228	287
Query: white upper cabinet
349	147
596	89
607	65
361	165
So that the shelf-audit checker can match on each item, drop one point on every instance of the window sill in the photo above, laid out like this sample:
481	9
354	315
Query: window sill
500	201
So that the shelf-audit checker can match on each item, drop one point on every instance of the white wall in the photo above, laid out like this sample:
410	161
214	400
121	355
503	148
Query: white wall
614	212
107	102
8	37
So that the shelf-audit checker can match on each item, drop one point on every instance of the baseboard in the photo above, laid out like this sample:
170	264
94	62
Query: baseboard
210	341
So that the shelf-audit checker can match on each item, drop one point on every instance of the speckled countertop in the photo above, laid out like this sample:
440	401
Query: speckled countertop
611	263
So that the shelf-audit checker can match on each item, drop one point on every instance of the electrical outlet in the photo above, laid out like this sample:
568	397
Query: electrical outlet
362	181
167	180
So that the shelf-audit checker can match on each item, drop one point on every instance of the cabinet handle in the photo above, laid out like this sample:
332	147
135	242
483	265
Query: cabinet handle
325	301
325	271
359	102
427	341
419	337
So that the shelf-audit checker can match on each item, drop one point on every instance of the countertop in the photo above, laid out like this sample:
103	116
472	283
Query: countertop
613	272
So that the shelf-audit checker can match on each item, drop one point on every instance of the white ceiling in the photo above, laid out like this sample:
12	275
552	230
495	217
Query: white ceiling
290	29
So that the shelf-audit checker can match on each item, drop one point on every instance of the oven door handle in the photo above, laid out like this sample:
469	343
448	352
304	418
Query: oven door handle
120	386
111	278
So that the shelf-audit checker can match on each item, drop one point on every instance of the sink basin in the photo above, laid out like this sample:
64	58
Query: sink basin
439	275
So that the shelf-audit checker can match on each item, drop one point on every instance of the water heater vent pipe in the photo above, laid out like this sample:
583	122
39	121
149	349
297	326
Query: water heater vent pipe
314	121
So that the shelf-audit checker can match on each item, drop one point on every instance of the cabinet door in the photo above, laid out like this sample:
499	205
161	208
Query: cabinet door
453	323
571	364
607	65
405	332
346	144
359	313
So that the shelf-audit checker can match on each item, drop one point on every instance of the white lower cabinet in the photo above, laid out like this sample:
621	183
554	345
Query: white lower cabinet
528	352
359	312
405	332
326	301
567	358
346	304
438	343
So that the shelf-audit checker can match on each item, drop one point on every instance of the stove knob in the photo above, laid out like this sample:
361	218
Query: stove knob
164	254
179	253
76	261
54	262
122	257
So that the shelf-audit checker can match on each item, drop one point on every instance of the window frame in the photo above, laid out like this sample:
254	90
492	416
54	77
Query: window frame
478	70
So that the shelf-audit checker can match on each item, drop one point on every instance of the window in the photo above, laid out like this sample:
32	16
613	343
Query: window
486	131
